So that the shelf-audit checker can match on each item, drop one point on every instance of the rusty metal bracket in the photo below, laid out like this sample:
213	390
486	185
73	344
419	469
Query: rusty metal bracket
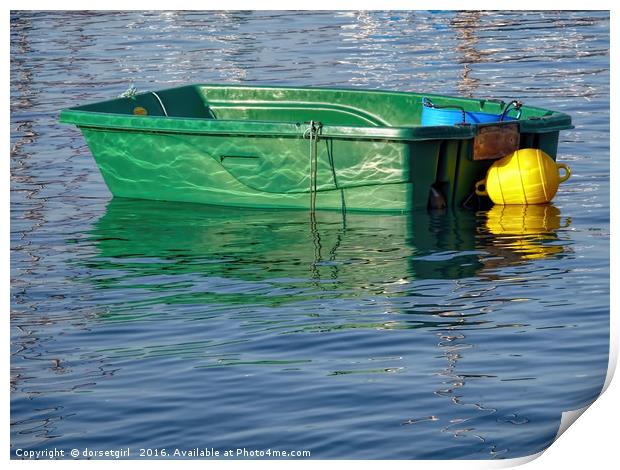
496	141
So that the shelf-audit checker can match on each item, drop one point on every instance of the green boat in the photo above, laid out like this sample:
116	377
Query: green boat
303	148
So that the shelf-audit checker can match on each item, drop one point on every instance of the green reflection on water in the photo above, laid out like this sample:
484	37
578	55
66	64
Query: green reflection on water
197	255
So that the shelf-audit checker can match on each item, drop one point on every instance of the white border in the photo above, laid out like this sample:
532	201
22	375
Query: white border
590	443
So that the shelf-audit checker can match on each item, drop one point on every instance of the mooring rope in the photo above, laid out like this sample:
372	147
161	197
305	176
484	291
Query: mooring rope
312	133
343	206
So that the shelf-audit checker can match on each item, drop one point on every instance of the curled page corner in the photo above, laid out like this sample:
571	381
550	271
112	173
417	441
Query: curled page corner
568	418
516	461
613	356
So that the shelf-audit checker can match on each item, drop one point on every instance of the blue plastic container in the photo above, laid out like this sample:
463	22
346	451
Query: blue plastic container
438	116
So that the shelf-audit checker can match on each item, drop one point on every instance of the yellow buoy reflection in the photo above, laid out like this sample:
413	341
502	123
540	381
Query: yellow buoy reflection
526	230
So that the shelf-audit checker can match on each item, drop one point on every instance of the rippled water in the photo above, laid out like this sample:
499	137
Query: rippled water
160	325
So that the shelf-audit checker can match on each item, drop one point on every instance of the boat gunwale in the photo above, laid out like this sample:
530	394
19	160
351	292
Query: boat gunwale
550	122
166	125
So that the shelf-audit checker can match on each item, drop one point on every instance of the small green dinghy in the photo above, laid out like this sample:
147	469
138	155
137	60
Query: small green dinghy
305	147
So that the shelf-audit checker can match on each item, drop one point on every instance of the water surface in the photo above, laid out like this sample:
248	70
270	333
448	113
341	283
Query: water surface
145	324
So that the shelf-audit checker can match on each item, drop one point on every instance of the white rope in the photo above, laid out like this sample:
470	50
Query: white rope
163	108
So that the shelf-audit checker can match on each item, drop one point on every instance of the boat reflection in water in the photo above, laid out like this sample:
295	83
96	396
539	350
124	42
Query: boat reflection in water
294	254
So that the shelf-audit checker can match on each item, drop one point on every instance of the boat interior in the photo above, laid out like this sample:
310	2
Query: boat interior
333	107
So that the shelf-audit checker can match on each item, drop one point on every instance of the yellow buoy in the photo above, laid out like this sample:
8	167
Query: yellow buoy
527	176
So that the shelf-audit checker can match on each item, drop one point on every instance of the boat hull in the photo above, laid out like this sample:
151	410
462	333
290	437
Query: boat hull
234	162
